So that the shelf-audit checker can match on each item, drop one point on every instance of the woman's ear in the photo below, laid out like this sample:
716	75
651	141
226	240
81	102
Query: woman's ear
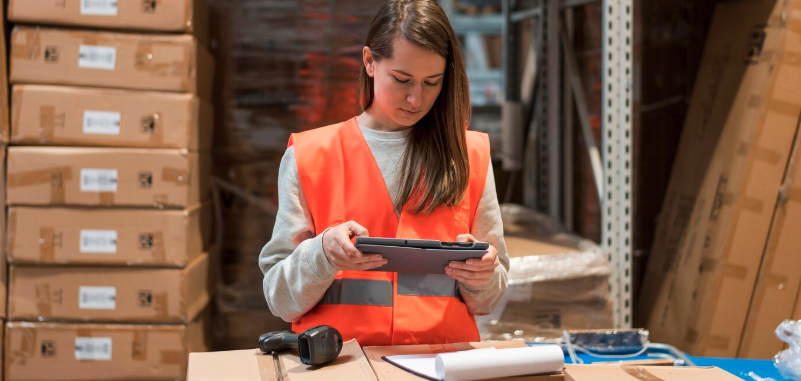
369	61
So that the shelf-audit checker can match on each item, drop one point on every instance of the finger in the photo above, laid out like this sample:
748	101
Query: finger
347	247
465	238
467	273
372	265
354	229
476	266
471	282
366	259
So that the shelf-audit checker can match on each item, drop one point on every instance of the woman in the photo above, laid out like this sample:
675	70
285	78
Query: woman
407	168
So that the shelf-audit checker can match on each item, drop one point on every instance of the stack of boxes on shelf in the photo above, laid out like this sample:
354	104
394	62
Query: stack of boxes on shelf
108	169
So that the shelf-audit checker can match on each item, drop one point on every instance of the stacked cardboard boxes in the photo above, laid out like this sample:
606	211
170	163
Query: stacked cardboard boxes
109	224
724	271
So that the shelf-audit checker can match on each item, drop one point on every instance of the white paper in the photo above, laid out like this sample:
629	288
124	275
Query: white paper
93	348
99	241
482	364
101	122
99	7
97	298
97	57
98	180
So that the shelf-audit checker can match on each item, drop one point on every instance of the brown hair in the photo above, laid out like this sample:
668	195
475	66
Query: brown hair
435	168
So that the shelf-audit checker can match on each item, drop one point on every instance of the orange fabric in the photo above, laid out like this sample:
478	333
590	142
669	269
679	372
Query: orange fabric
335	166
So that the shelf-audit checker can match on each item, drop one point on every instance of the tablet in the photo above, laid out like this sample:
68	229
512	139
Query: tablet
418	255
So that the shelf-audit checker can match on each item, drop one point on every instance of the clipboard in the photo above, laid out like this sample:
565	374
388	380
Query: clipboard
419	256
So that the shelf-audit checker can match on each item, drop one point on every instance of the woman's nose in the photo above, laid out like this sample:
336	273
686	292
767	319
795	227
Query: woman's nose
415	97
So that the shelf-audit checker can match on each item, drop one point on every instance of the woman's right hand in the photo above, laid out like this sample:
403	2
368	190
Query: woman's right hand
341	252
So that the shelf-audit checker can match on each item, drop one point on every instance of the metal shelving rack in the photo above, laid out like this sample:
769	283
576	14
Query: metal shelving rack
550	131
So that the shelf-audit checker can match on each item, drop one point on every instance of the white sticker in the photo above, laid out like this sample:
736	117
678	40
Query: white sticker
93	348
97	298
101	122
98	180
97	57
99	241
99	7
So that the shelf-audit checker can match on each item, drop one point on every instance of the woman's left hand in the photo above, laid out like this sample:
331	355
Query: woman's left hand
473	272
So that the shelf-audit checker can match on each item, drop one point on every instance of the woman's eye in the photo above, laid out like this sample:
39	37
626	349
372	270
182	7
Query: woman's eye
431	84
400	81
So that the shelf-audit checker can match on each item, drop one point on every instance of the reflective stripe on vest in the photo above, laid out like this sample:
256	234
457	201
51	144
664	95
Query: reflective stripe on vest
365	292
426	285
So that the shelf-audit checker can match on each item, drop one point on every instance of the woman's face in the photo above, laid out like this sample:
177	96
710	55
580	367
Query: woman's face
406	85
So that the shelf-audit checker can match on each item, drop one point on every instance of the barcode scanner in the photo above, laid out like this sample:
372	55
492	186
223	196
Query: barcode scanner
317	345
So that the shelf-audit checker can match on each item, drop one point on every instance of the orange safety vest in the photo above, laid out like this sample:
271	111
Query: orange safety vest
341	182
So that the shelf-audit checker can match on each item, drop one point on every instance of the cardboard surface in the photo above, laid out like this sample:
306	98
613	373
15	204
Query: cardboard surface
50	351
728	173
645	373
3	235
185	16
777	286
108	236
388	372
106	176
74	116
112	294
3	81
252	365
103	59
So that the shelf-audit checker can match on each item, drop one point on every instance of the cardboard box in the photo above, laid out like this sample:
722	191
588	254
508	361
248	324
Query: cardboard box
3	82
389	372
777	285
106	176
636	372
3	235
108	236
103	59
183	16
728	173
113	294
66	352
239	329
74	116
252	365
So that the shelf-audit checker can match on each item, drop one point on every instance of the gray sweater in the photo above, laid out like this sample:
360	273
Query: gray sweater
296	270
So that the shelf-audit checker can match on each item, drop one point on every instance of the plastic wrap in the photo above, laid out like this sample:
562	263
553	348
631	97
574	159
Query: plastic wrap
789	361
557	281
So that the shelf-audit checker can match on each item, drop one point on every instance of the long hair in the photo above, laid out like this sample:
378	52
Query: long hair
434	167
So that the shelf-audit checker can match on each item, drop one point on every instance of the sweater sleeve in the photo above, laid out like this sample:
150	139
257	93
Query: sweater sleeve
296	270
488	227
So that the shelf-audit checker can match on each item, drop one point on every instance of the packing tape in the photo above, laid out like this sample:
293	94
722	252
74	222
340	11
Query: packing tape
718	342
47	244
161	199
761	154
139	352
81	331
175	175
25	43
640	373
791	109
189	12
16	109
161	304
754	101
106	198
44	305
12	231
691	336
775	281
176	357
791	59
148	57
56	176
158	252
28	345
47	122
267	371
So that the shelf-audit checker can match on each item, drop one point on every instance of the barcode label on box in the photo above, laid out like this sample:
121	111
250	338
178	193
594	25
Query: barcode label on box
99	241
97	57
97	298
93	348
98	180
99	7
101	122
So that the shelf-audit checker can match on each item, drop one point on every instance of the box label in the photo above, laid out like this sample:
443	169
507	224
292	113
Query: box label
93	348
98	180
99	241
99	7
101	122
97	298
97	57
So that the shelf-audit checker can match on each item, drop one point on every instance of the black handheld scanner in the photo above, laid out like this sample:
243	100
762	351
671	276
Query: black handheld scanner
317	346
